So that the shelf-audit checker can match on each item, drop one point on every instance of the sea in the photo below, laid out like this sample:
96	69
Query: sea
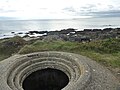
10	28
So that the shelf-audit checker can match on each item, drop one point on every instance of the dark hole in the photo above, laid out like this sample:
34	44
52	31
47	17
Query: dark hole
46	79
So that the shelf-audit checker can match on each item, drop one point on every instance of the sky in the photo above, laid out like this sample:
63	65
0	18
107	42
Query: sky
58	9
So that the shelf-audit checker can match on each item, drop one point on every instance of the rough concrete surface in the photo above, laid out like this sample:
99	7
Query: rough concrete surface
83	73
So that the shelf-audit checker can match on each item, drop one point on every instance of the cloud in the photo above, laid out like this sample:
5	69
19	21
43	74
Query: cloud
69	9
109	13
59	8
6	11
88	7
43	8
92	10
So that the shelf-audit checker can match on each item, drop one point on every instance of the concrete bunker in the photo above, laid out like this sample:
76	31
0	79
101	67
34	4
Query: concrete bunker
78	69
46	79
67	71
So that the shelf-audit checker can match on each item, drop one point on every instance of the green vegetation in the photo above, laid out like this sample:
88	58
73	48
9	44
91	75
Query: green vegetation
106	52
10	46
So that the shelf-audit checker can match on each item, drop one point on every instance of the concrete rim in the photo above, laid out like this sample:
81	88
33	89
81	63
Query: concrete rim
23	65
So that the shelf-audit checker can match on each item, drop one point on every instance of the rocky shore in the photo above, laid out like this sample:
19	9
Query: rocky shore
71	34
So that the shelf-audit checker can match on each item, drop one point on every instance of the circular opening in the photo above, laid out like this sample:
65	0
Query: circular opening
46	79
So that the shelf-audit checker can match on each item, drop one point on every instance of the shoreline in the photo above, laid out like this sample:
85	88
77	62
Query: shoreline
69	34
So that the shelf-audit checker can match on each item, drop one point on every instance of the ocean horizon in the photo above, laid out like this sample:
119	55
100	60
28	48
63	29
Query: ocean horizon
23	26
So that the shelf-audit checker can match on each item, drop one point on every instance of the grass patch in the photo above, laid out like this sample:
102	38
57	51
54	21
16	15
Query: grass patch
48	46
10	46
108	60
3	56
106	52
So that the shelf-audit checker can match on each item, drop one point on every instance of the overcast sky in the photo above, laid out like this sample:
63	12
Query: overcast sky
58	9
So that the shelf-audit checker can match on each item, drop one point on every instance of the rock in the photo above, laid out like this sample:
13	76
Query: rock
20	33
87	30
96	30
107	29
12	32
66	31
